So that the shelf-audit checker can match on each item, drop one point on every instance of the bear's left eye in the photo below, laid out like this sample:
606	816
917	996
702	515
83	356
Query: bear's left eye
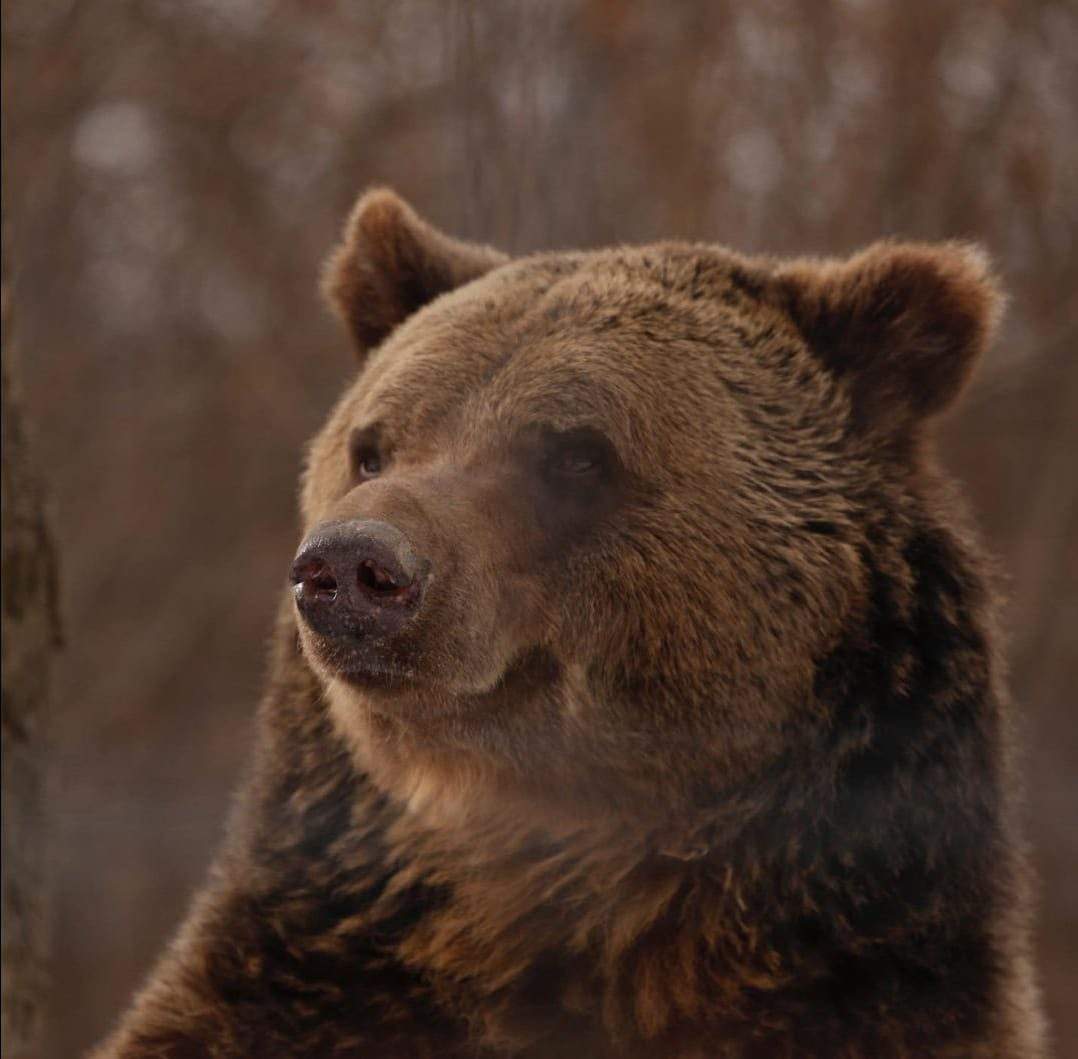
574	462
577	456
580	479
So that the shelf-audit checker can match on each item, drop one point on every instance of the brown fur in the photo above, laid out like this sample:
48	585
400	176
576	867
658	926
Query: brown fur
706	759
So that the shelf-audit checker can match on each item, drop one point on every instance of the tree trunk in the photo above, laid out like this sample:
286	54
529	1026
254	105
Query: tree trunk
30	639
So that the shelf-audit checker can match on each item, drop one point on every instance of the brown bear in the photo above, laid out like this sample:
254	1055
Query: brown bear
636	693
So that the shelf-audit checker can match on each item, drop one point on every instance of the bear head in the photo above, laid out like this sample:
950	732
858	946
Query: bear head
608	511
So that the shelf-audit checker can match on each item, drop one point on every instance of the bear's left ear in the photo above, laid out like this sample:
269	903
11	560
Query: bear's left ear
391	263
901	323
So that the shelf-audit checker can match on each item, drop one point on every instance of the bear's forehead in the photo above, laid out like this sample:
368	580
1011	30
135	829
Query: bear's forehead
643	341
653	314
677	285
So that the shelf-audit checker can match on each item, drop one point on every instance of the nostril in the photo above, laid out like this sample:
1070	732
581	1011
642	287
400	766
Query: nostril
357	578
378	579
313	579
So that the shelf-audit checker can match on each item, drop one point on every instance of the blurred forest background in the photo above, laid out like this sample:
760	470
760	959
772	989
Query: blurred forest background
175	173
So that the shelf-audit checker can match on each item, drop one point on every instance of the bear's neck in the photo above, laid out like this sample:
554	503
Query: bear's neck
596	930
863	881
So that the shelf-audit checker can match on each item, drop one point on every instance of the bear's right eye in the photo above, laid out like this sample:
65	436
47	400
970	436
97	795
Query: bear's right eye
365	454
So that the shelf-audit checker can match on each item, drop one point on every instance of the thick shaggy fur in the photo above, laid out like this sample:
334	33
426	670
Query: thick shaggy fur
708	758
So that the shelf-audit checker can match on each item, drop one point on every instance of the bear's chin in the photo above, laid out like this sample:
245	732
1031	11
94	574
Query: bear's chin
361	665
400	691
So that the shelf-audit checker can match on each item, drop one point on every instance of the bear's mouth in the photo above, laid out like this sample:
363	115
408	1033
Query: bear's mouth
399	689
378	677
363	662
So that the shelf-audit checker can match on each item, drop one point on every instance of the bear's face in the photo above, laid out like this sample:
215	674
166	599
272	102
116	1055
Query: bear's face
617	499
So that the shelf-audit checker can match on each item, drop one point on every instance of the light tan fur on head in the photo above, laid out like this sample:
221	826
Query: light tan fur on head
750	379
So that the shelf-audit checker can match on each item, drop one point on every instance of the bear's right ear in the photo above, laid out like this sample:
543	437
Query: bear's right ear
391	263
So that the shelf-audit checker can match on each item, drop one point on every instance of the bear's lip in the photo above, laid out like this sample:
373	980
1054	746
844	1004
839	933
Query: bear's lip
361	663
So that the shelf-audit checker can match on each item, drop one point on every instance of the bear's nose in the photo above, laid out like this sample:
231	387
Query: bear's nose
357	578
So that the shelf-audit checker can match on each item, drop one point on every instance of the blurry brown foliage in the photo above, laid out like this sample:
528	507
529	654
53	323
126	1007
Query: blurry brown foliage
177	172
